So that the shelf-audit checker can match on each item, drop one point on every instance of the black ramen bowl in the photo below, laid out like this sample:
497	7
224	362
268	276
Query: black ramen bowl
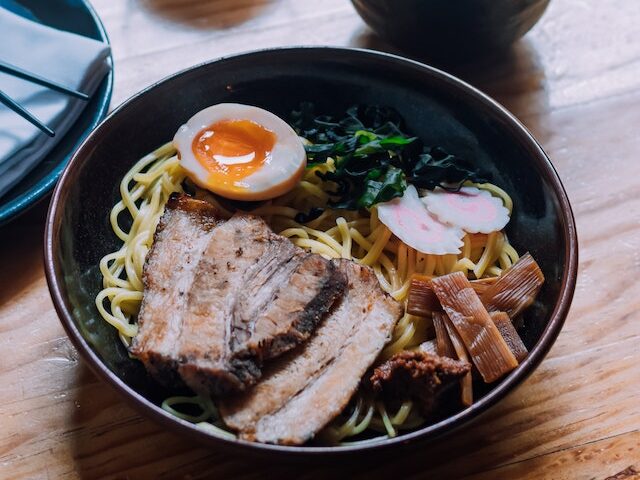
445	28
436	106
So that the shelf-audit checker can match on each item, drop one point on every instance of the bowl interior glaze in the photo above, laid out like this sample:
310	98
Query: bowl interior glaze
439	108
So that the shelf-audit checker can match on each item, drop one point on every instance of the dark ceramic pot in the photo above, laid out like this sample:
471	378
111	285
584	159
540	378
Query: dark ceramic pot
451	28
436	106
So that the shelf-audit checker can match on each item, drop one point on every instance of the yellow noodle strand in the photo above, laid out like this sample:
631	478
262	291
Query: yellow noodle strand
356	235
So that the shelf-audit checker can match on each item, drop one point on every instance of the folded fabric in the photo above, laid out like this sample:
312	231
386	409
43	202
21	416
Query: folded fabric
72	60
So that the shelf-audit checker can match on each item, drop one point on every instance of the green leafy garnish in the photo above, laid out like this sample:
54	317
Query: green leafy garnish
375	159
380	187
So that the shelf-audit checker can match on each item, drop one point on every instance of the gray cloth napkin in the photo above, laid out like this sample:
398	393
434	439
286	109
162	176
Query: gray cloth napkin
72	60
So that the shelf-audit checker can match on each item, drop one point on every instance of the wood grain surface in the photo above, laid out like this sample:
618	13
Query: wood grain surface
574	81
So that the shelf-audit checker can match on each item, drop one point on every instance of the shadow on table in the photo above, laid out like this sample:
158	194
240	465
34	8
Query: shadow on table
108	439
210	14
21	252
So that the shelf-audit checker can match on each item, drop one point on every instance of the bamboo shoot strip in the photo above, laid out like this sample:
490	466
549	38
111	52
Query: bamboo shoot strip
510	335
515	289
481	285
489	351
422	300
443	342
466	382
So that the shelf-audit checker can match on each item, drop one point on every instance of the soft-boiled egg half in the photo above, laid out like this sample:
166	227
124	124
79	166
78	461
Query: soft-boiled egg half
240	152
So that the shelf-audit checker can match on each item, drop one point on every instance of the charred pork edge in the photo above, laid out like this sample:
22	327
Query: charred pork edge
250	432
333	287
166	368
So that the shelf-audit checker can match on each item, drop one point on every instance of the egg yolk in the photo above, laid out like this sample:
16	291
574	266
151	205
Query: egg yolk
231	150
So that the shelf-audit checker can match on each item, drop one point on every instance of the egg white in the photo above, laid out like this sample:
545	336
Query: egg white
282	167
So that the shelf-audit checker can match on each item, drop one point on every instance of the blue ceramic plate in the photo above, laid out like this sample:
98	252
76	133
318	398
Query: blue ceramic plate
75	16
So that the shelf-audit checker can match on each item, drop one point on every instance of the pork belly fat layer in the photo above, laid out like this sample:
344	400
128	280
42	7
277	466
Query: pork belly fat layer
264	301
304	390
222	296
169	270
205	350
290	309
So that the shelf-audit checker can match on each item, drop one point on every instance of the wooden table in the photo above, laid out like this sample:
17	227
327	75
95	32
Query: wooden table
574	81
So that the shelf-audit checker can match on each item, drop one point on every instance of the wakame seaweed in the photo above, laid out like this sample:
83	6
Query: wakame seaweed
375	158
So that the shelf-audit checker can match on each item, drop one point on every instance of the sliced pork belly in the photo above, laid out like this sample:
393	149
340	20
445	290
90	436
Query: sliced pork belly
248	295
255	296
234	248
280	306
305	389
171	266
